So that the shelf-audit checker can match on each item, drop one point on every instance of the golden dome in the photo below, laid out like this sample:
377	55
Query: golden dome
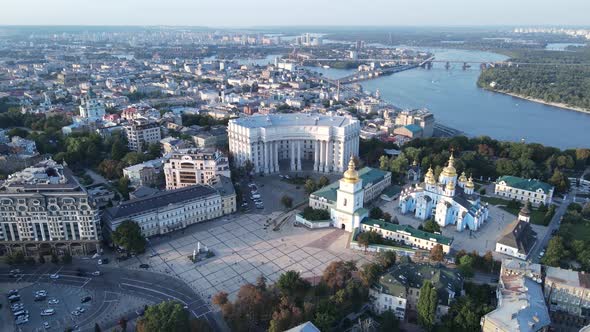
463	177
450	170
351	175
450	185
429	178
470	183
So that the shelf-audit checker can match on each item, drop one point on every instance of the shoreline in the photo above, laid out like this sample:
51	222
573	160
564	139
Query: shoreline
541	101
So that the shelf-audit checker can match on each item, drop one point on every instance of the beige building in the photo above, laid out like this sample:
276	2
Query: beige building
174	209
524	190
419	117
195	166
141	133
568	291
43	209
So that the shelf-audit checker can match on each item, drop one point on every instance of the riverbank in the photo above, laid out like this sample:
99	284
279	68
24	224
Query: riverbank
541	101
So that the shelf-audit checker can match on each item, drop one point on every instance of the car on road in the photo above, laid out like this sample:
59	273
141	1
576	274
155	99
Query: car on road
46	325
86	299
144	266
47	312
15	271
100	262
76	313
54	276
53	301
96	273
80	309
39	298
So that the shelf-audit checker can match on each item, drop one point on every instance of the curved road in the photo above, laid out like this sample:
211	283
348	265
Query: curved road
149	285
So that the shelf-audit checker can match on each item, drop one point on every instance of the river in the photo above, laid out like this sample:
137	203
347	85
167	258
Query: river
456	101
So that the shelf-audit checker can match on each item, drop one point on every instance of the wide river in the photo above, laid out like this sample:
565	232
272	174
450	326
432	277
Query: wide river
456	101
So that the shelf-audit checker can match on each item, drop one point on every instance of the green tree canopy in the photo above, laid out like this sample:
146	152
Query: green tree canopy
164	317
128	236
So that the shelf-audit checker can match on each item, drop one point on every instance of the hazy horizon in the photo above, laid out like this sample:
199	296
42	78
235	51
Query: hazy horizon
272	13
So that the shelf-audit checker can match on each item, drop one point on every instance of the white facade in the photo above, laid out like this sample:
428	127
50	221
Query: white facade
92	108
195	166
450	201
524	190
382	302
327	142
349	211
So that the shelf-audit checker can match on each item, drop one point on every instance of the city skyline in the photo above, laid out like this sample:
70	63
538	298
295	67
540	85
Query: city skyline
305	12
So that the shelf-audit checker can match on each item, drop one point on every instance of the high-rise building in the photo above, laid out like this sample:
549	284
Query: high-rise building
141	133
44	210
189	167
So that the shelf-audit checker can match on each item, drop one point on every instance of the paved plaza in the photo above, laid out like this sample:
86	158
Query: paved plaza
245	248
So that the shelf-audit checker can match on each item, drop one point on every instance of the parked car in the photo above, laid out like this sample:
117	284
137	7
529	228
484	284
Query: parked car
54	276
86	299
76	313
80	309
96	273
47	312
22	321
46	325
14	298
53	301
144	266
21	313
13	292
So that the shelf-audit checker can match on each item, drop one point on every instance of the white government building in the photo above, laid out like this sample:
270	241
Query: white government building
294	140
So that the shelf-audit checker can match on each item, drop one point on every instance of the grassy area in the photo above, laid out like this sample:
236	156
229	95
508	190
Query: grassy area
580	231
494	200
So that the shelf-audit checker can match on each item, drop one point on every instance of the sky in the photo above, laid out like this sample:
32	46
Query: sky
250	13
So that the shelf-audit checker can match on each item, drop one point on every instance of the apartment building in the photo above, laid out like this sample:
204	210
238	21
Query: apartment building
189	167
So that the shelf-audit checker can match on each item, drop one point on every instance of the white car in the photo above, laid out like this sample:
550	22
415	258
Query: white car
100	262
47	312
96	273
46	325
54	276
53	301
76	313
80	309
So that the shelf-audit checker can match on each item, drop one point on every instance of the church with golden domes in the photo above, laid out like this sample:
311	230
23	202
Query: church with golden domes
450	200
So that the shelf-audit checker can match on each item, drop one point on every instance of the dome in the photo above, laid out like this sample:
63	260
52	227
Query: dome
450	185
351	175
450	170
429	178
470	183
463	177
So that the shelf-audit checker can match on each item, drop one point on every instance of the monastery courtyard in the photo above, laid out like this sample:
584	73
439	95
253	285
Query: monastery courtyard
481	240
244	249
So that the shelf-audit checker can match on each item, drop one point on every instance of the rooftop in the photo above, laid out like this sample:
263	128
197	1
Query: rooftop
368	175
45	175
162	199
293	120
519	234
525	184
521	307
408	230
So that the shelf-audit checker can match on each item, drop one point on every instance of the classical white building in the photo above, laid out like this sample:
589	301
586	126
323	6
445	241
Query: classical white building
43	209
325	142
195	166
451	201
524	190
518	238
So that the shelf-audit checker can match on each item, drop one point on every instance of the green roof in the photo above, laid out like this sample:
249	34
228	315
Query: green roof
413	128
369	176
408	229
410	275
392	190
525	184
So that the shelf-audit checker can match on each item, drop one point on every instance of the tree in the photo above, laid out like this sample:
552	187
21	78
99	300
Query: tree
376	213
559	180
389	322
128	236
123	323
384	163
387	217
290	283
466	265
323	181
97	327
386	259
431	226
369	274
286	316
309	186
163	317
123	187
287	201
555	252
338	273
367	238
427	303
436	253
67	258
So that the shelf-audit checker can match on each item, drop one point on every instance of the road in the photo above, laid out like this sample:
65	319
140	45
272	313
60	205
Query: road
149	285
553	225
